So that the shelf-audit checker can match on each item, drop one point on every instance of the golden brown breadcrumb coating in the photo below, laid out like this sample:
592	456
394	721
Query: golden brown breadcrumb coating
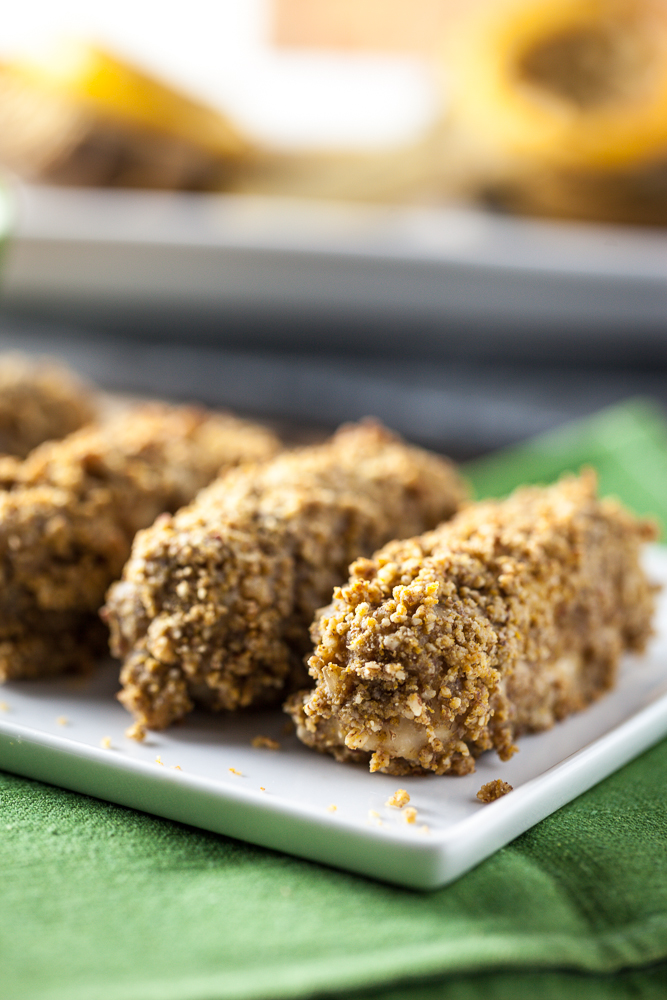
509	617
69	512
39	401
215	603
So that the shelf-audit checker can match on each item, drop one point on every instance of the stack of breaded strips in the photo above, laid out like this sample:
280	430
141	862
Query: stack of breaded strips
215	603
505	618
486	621
69	512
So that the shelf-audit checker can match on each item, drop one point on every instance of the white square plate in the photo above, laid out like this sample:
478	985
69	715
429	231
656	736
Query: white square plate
282	798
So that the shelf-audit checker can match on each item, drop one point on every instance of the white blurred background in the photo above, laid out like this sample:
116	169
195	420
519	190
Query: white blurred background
221	51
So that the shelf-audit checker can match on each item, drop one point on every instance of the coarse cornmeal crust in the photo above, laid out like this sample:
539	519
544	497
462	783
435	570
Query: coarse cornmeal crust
69	512
506	619
215	603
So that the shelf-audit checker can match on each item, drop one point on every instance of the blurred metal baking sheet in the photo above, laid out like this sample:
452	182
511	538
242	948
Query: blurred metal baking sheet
258	271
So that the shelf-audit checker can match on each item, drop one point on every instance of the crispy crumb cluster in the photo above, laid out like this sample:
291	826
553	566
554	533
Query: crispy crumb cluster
399	799
493	790
215	602
136	732
39	401
69	512
505	619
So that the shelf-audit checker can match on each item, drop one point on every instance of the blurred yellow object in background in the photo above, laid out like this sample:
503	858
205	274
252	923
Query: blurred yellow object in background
548	107
575	82
562	104
80	115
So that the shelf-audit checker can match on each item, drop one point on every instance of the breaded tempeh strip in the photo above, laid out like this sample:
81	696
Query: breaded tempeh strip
69	512
39	401
215	603
509	617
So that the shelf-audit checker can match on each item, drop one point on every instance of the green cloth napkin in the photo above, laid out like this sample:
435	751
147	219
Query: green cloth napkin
626	444
103	903
98	902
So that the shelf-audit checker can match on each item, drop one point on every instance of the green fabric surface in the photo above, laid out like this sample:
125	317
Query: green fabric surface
102	902
99	902
626	444
638	984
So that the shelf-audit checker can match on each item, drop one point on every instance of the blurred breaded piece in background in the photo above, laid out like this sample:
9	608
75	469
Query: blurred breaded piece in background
40	401
559	107
76	114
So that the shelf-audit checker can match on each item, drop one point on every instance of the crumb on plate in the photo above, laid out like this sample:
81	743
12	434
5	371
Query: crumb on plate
493	790
158	760
332	808
265	743
62	720
410	814
136	732
105	743
399	799
233	770
4	707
